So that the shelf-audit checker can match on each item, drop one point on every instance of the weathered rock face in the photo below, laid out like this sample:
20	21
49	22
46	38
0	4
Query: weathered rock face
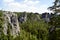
46	17
11	19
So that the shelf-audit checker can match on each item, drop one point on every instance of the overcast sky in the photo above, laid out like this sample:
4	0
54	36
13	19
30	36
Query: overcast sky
26	5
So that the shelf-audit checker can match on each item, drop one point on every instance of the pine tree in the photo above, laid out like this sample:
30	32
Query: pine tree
56	6
55	19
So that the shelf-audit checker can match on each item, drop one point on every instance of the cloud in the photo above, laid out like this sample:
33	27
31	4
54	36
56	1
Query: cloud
26	5
25	0
31	0
7	1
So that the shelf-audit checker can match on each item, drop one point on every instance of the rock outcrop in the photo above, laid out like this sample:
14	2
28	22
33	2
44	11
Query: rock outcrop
11	22
22	18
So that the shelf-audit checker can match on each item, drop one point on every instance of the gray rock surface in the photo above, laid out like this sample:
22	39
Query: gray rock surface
11	18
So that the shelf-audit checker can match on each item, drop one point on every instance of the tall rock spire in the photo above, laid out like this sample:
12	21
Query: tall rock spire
11	19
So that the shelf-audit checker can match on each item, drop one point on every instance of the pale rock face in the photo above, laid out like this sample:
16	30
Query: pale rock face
11	18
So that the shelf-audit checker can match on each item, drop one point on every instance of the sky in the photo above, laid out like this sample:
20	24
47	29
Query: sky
39	6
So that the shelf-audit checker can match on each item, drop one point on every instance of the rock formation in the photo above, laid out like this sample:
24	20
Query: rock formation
22	18
11	21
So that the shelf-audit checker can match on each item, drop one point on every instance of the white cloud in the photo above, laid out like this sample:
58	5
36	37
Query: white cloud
25	0
31	1
27	5
6	1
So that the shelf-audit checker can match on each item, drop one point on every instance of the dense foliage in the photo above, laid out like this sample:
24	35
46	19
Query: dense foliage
36	30
33	29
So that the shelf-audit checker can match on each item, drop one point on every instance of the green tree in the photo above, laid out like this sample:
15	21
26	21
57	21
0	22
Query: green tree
56	6
55	19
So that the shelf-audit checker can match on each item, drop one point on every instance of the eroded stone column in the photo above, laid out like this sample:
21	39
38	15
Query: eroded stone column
11	18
